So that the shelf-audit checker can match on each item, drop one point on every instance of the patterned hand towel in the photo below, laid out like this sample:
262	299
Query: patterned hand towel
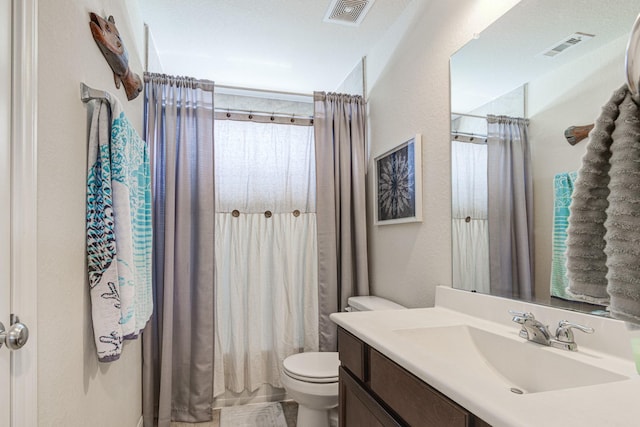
562	190
603	244
101	241
131	185
118	229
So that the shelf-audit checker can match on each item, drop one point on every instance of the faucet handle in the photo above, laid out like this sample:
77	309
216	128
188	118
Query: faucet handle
521	316
564	332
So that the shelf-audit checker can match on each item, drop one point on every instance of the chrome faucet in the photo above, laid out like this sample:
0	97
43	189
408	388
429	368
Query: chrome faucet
533	330
564	335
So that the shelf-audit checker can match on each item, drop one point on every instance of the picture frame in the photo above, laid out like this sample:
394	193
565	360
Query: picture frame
398	184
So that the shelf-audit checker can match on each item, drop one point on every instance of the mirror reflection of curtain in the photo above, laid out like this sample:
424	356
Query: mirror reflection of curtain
266	271
469	216
510	207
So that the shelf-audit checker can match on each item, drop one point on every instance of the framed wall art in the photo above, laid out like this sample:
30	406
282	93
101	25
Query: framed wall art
398	184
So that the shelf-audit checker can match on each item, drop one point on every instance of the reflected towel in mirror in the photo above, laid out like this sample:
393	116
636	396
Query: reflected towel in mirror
562	190
604	222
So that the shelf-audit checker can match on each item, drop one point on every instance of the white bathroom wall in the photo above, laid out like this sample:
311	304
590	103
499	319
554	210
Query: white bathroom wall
153	64
74	390
570	96
353	83
408	93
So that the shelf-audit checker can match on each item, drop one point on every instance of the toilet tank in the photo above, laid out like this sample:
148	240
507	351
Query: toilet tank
370	302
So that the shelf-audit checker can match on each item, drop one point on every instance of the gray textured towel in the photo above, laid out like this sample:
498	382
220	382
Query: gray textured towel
603	243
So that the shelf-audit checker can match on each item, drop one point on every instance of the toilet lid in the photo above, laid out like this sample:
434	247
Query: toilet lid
314	367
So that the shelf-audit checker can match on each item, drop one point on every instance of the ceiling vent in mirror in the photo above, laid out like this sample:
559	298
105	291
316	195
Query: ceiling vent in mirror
565	44
348	12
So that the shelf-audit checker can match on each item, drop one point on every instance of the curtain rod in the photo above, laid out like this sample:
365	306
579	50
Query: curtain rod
469	115
469	137
475	135
202	84
209	84
262	113
280	92
258	117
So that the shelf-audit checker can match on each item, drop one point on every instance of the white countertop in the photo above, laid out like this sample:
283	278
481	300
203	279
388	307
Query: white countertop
611	404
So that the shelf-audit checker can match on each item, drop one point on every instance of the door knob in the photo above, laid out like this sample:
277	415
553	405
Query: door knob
16	337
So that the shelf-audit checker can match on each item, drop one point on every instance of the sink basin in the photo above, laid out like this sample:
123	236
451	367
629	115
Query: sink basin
522	366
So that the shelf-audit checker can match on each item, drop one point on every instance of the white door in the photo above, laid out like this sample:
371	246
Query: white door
18	154
5	202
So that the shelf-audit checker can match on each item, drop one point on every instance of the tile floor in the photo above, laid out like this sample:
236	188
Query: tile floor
289	408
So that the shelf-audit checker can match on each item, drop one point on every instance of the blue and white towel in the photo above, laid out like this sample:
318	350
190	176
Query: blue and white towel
562	190
119	230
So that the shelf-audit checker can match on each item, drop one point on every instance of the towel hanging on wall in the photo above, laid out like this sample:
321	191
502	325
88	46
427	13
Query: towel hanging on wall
118	228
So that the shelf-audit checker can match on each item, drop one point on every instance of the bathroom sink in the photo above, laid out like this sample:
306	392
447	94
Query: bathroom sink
522	366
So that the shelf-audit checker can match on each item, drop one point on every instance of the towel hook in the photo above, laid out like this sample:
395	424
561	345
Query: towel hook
87	93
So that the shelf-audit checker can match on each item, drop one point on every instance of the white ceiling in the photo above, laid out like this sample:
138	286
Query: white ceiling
505	55
264	44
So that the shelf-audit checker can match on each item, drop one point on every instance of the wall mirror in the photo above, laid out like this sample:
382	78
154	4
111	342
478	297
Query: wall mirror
555	63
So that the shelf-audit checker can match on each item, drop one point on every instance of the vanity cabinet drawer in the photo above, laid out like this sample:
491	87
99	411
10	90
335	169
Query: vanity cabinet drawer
413	400
352	354
358	408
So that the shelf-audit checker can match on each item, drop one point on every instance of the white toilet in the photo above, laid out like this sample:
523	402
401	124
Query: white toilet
311	379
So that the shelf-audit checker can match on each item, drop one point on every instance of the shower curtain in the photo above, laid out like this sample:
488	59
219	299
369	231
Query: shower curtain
261	217
339	123
178	341
510	187
266	281
469	216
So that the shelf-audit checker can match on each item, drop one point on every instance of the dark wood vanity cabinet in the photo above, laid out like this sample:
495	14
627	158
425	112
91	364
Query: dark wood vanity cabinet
375	391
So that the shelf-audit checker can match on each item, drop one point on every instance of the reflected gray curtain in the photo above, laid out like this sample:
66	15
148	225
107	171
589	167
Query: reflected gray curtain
510	213
178	341
339	129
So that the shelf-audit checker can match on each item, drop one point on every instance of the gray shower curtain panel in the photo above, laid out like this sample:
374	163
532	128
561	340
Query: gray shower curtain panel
178	341
339	128
510	214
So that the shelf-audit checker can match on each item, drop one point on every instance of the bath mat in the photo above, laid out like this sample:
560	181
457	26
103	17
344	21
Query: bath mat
258	415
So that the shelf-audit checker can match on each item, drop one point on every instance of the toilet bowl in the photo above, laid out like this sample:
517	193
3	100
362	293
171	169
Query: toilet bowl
311	379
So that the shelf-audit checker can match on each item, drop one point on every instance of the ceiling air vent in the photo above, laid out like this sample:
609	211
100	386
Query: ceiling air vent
348	12
567	43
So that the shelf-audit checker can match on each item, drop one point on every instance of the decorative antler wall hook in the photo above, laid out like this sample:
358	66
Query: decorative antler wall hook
575	134
108	39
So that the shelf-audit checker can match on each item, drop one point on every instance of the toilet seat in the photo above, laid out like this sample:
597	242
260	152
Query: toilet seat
313	367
